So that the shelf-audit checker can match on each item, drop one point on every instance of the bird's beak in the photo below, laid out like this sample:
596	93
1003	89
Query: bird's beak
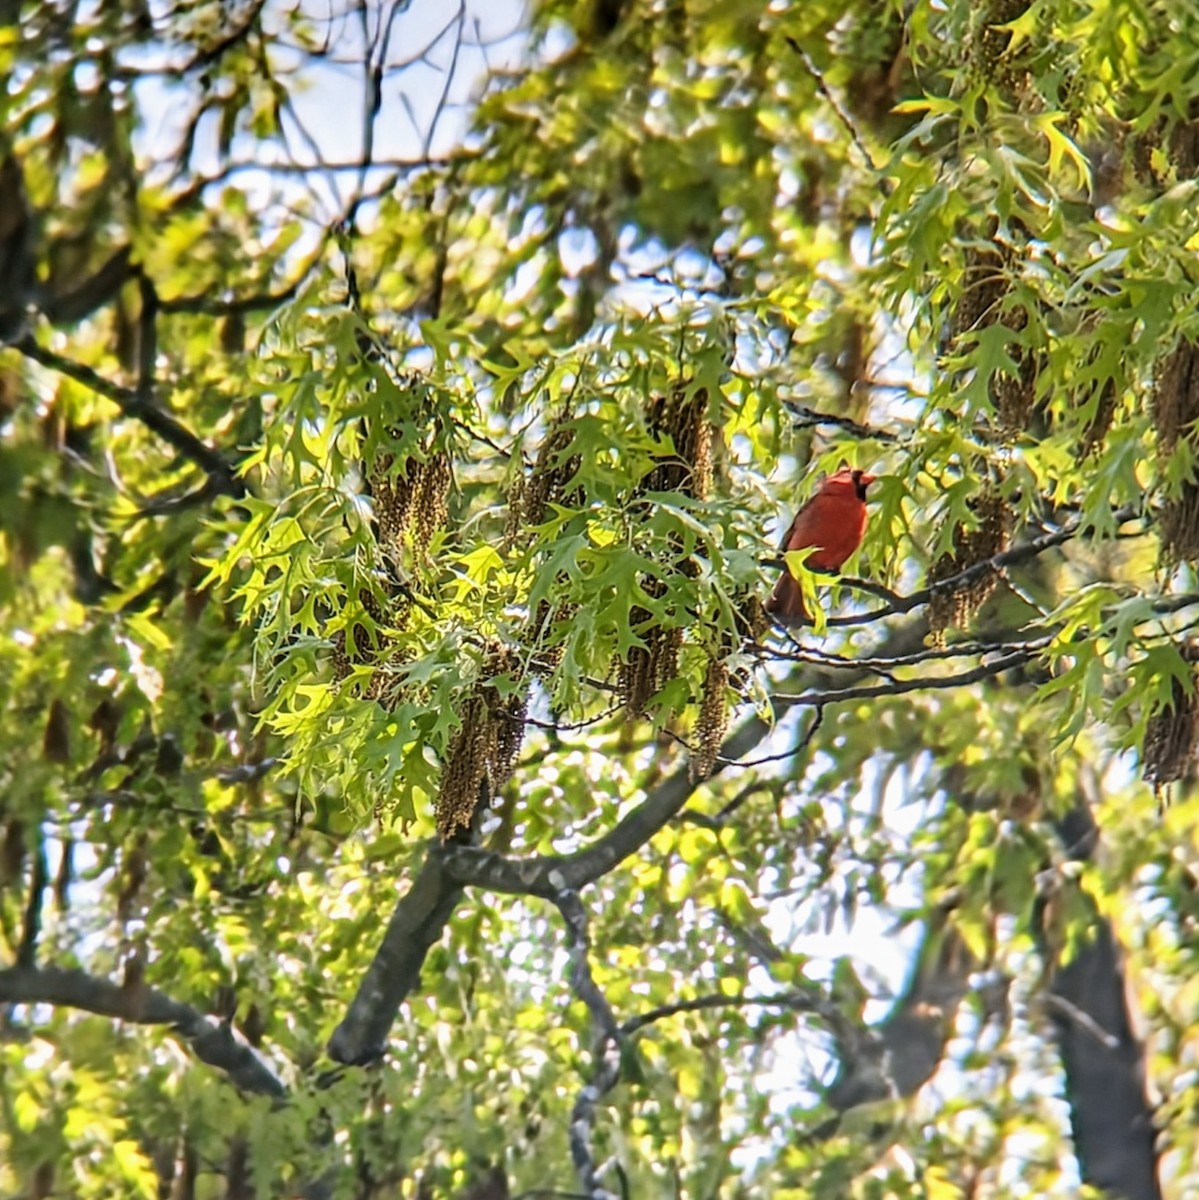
861	481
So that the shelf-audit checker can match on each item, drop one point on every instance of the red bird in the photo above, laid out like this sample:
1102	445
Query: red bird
833	521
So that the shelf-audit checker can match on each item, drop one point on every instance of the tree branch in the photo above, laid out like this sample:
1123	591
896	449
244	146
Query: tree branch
213	1042
39	877
1017	554
142	408
998	641
227	41
547	876
606	1046
236	305
1071	1012
808	417
855	134
899	687
98	289
810	1002
423	911
416	924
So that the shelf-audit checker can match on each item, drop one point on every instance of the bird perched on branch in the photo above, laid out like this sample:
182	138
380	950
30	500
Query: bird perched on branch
833	522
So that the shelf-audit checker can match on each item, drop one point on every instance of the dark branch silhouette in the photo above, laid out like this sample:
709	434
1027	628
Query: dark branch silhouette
143	409
212	1041
900	687
1022	553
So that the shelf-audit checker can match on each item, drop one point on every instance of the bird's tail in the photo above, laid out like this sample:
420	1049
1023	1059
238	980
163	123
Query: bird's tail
786	604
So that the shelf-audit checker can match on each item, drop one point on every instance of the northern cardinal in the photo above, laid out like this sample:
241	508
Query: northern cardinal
833	521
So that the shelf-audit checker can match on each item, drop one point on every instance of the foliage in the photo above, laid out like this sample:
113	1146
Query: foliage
387	516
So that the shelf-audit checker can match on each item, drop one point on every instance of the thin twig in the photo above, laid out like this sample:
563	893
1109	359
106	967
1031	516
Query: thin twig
902	686
803	744
807	417
557	727
807	1001
458	19
1082	1019
1017	554
819	658
842	112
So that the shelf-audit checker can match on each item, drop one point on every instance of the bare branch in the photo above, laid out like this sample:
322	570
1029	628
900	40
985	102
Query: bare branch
894	599
606	1047
423	911
1025	552
459	19
809	1001
797	749
143	409
213	1042
887	664
901	687
843	113
806	418
415	926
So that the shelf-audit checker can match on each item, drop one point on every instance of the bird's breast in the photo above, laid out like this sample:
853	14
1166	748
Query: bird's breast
834	525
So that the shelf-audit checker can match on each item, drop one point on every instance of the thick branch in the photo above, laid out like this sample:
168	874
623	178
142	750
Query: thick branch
549	875
98	289
898	1056
423	911
416	924
213	1042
